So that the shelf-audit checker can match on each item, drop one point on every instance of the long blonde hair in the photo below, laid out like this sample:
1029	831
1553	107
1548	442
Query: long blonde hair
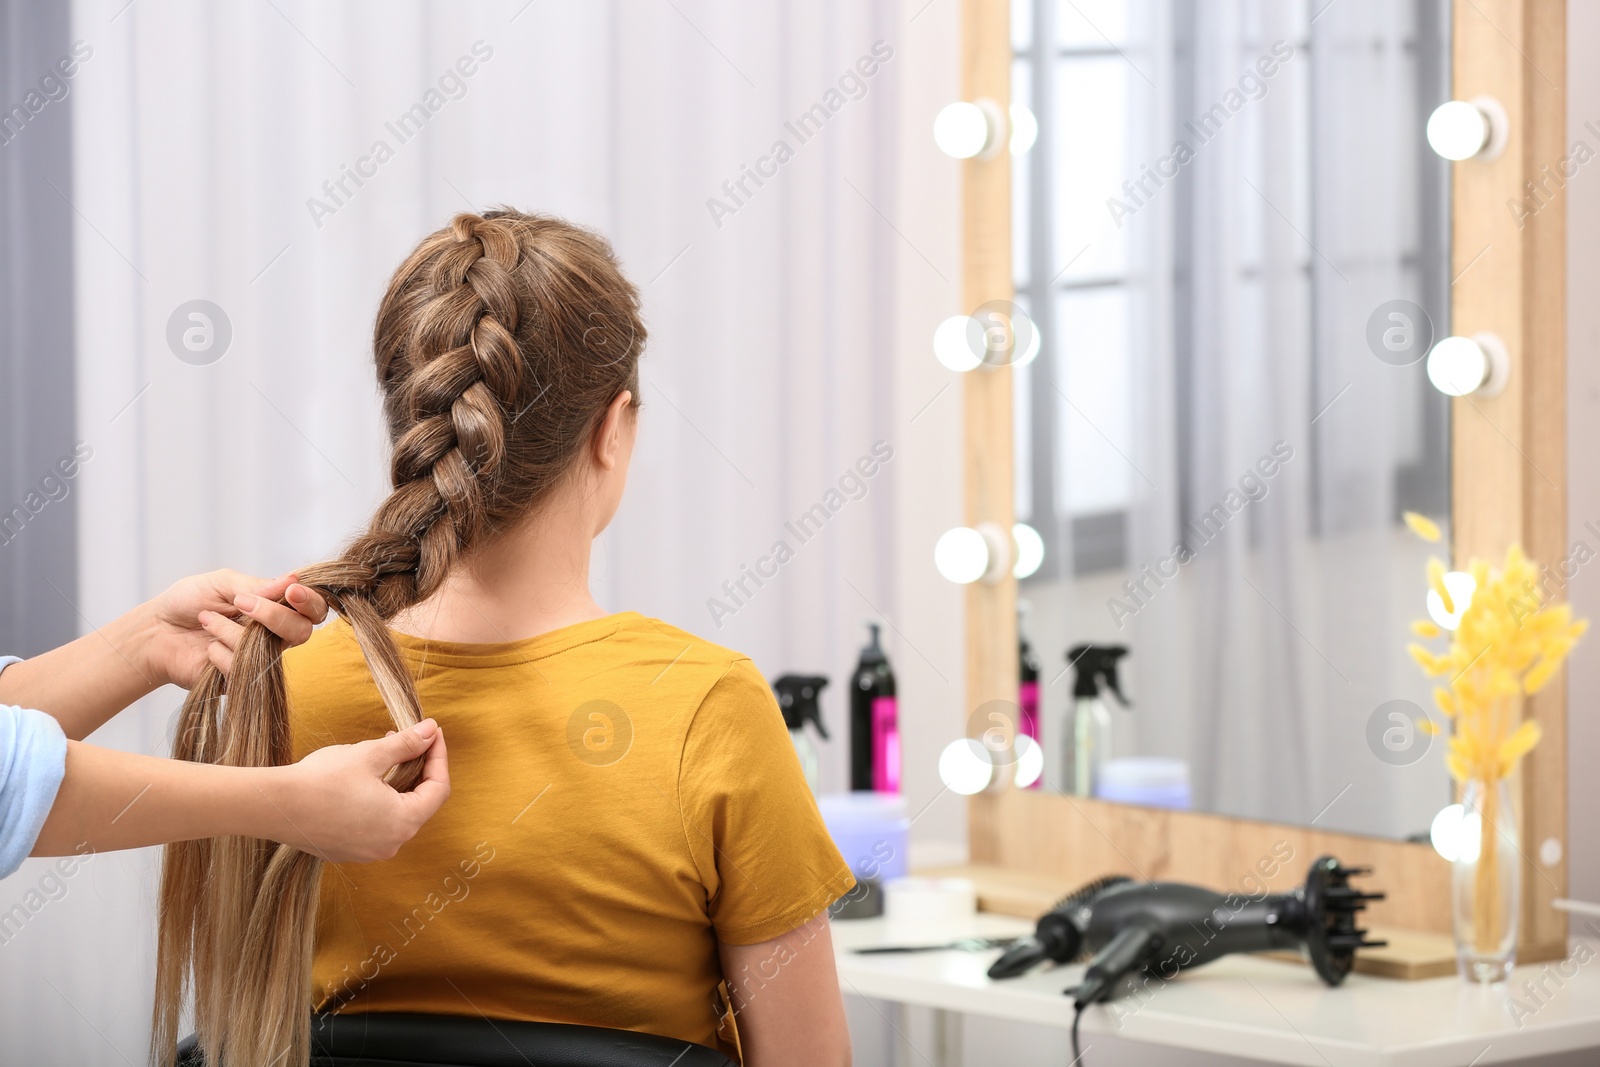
500	343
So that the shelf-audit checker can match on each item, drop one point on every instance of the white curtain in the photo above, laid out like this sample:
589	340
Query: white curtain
214	151
1299	211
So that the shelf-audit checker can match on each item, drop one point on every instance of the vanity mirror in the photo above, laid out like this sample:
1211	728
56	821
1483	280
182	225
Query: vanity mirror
1233	239
1238	248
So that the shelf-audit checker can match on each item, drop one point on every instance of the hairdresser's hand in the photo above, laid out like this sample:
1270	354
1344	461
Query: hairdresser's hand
168	639
333	803
193	622
339	807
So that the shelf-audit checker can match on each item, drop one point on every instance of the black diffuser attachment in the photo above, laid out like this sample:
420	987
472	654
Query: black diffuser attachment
1331	934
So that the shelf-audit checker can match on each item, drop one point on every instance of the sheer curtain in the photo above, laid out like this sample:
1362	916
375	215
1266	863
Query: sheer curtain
38	509
1303	202
230	154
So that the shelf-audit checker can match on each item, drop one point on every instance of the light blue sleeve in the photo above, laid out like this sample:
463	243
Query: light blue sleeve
33	760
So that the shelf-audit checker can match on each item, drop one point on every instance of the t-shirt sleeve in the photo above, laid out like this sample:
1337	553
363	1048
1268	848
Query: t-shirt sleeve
33	760
763	853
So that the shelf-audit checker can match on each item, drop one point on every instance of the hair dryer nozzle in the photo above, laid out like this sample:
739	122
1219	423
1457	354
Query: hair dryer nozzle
1130	949
1019	958
1059	933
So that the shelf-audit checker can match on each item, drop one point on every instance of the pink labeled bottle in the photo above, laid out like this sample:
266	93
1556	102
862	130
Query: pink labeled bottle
1027	686
874	722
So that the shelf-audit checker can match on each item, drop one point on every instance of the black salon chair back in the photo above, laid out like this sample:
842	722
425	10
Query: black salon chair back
385	1040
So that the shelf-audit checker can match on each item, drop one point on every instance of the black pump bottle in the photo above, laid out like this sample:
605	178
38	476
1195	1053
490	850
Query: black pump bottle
872	682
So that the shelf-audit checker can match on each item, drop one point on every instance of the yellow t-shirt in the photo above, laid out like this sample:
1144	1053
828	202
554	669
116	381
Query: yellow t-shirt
624	794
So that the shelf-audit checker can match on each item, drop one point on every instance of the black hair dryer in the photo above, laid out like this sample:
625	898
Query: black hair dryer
1161	928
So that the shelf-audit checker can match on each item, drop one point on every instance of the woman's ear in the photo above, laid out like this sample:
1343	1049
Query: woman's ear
608	439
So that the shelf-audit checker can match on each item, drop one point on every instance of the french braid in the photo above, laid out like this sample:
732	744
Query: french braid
500	343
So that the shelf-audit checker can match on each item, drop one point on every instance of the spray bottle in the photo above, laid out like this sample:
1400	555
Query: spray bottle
874	722
797	698
1027	683
1094	669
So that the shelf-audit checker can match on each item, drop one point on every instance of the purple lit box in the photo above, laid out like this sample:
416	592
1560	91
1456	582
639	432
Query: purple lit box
870	830
1147	781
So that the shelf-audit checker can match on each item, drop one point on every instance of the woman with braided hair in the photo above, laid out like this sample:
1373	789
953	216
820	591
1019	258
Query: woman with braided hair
630	841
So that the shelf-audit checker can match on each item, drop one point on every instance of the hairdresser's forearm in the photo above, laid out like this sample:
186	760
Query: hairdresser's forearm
89	680
114	800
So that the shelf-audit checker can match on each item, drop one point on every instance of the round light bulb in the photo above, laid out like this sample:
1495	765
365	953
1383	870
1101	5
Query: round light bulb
965	767
1445	833
1024	129
1458	130
1030	549
962	555
1457	366
961	130
1470	837
952	344
1457	834
1460	366
1461	587
1030	761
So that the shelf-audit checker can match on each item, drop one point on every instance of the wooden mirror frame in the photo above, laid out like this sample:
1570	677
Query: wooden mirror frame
1508	483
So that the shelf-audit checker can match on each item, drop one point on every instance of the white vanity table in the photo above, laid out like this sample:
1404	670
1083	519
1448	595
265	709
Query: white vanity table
1250	1007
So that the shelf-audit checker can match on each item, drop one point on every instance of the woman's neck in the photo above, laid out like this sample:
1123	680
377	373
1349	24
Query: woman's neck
530	579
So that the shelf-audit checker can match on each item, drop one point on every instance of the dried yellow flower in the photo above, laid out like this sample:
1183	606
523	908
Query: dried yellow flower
1423	527
1518	745
1427	660
1436	583
1535	679
1508	644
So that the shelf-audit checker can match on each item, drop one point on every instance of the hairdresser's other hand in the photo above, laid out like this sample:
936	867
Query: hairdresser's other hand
193	622
343	811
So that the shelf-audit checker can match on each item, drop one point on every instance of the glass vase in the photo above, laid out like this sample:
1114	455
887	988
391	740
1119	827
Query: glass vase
1487	883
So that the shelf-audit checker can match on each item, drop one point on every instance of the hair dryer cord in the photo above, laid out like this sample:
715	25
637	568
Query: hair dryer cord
1126	952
